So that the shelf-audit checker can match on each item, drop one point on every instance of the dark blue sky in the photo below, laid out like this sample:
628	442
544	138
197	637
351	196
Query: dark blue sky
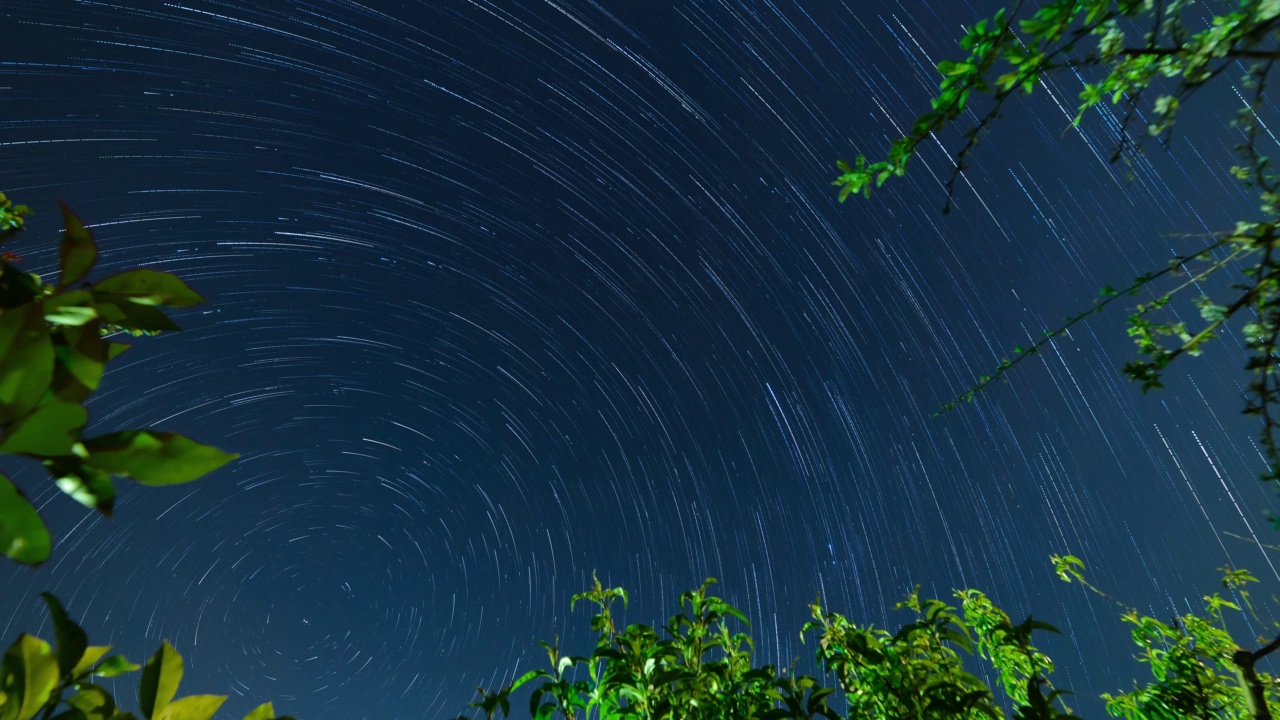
507	292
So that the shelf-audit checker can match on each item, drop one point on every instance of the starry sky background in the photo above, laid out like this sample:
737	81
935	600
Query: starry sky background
503	293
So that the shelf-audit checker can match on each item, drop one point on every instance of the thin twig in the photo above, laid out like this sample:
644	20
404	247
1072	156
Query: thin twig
1049	335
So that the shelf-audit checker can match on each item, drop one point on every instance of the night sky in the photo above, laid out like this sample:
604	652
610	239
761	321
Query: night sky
506	292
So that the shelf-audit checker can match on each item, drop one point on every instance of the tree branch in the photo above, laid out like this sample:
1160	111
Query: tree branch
1245	661
1171	51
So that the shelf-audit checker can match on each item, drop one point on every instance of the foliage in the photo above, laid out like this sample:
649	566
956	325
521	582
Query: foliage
57	682
12	217
1198	670
1150	62
54	349
701	670
698	667
917	671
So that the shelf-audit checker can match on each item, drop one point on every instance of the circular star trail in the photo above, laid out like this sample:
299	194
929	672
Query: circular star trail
505	293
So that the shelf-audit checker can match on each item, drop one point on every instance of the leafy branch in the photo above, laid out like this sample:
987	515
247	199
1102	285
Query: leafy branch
39	679
54	349
1039	47
1109	295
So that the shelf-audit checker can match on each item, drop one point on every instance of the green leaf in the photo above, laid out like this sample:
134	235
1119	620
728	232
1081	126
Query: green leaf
70	640
154	458
89	658
194	707
124	312
160	678
70	308
1067	567
86	484
958	638
522	680
1211	311
265	711
30	672
48	431
113	666
93	701
78	250
150	287
23	536
26	360
83	354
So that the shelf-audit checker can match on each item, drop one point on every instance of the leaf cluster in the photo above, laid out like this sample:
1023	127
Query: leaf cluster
697	666
12	217
1008	55
58	682
55	344
1143	48
918	672
1198	669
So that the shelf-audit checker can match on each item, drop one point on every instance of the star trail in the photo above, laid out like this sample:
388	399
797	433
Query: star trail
506	292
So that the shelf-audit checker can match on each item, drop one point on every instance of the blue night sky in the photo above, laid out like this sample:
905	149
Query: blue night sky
507	291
